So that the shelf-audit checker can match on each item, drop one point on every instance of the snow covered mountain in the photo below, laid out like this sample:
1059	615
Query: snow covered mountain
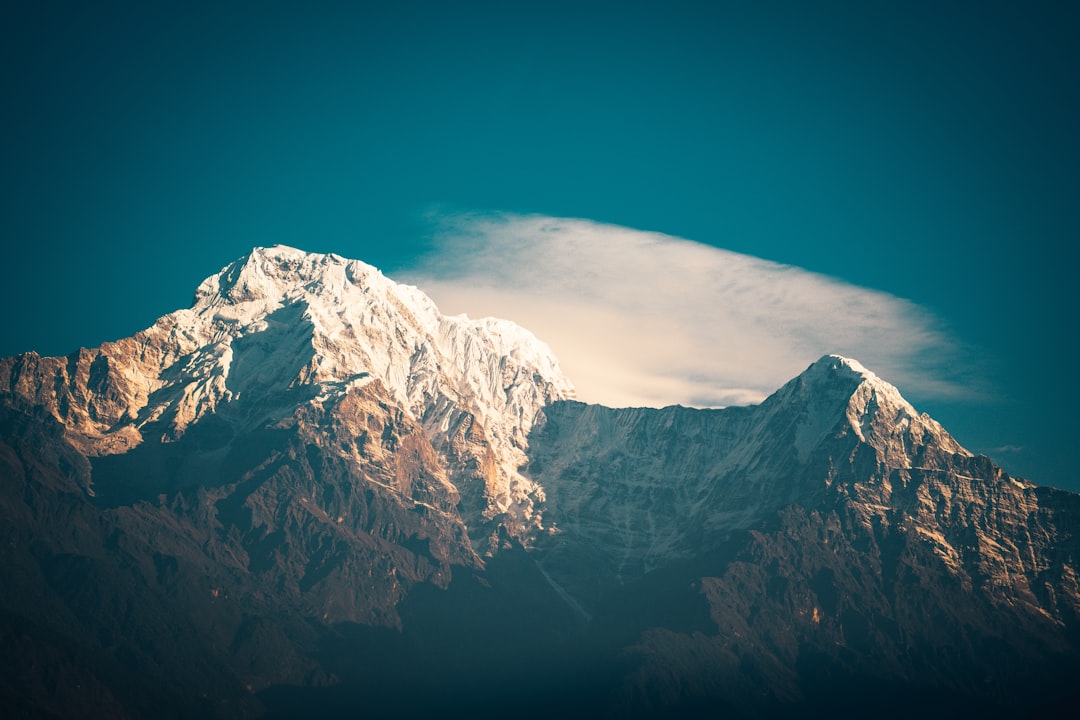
313	487
652	486
832	536
282	328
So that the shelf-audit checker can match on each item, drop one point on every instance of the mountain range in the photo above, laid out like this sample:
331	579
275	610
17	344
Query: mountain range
311	492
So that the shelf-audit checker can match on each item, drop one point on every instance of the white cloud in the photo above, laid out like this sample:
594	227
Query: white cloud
641	318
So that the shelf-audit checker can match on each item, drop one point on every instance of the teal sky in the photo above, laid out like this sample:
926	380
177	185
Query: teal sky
927	150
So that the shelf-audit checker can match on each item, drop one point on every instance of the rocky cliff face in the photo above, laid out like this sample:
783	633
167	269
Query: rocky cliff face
313	488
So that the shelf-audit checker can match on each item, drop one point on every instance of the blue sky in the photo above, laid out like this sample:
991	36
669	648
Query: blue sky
926	152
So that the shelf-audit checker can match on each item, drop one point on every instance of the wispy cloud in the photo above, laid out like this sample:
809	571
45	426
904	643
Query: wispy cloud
1004	450
641	318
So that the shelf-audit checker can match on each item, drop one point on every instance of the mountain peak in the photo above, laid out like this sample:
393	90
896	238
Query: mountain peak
841	377
834	378
839	366
287	261
836	388
272	273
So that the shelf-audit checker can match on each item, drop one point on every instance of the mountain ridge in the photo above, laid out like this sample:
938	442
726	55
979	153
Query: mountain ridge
312	456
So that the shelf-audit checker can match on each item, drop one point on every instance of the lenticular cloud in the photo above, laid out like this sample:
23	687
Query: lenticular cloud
641	318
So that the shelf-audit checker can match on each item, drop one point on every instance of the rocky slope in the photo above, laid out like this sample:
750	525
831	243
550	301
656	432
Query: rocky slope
311	490
839	546
639	488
